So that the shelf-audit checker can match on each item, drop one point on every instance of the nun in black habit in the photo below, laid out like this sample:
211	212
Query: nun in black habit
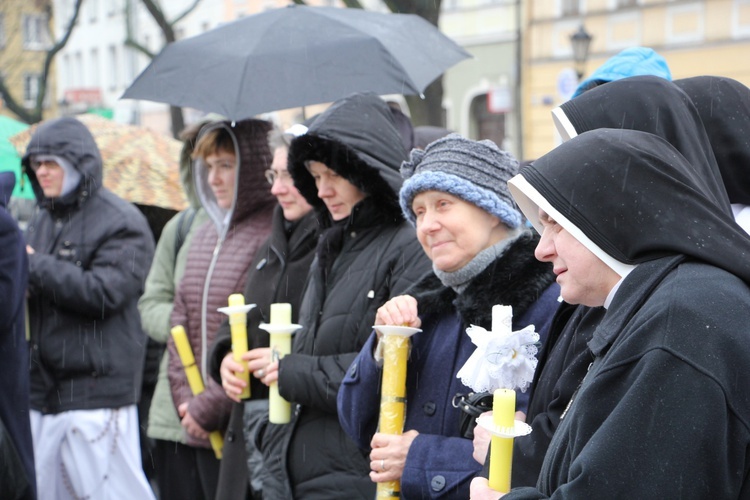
644	103
724	108
664	411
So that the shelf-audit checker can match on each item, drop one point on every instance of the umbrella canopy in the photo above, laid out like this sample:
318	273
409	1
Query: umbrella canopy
296	56
10	161
140	165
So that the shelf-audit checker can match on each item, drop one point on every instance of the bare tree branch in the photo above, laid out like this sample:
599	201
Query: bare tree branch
185	13
57	47
35	114
353	4
161	20
168	30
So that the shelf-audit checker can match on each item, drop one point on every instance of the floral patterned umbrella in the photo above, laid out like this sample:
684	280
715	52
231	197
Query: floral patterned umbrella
140	165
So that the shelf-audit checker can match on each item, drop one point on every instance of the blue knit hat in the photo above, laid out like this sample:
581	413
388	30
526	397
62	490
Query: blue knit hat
475	171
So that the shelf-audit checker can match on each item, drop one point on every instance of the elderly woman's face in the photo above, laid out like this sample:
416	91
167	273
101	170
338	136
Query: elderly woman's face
453	231
582	276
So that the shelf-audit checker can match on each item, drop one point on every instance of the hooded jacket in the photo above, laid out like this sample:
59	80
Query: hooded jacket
439	463
663	385
157	300
633	61
92	253
217	263
360	263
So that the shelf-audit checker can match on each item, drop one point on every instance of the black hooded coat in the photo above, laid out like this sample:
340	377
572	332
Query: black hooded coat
93	251
360	263
663	387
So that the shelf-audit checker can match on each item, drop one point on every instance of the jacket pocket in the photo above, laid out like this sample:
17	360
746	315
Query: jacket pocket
78	348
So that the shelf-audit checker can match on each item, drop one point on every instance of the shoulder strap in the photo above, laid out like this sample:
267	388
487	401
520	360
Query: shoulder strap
183	228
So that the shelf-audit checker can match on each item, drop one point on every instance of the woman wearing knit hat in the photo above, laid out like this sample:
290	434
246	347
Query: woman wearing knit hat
647	244
456	195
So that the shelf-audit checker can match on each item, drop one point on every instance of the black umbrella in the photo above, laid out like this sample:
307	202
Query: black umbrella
296	56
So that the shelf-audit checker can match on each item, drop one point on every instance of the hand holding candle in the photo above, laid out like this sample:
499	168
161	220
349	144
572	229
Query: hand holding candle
194	379
504	360
395	342
280	329
238	326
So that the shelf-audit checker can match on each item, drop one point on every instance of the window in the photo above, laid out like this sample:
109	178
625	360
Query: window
620	4
30	89
95	68
114	69
35	32
113	7
570	7
93	9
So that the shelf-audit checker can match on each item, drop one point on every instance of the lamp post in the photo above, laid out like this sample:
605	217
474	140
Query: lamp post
580	40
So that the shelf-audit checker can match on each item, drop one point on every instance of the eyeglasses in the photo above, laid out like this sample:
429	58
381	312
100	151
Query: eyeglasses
281	175
37	164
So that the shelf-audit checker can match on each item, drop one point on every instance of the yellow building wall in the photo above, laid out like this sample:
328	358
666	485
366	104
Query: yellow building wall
16	60
713	39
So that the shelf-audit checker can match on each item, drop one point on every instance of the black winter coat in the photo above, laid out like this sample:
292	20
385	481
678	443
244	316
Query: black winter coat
360	263
93	251
277	274
666	386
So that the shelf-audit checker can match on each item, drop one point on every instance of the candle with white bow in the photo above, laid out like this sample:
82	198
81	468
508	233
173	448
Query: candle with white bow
503	361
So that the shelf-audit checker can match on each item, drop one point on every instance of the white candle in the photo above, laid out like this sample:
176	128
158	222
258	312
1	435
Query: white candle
502	319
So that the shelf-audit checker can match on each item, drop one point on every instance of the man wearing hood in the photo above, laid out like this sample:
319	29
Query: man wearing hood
89	252
347	167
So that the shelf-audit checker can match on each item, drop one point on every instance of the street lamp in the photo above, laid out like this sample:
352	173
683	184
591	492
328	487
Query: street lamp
580	40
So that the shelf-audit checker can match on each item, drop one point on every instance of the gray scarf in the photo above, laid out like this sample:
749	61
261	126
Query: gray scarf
459	280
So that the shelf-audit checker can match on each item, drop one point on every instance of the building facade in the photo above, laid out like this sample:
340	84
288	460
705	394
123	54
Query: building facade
25	39
99	61
696	37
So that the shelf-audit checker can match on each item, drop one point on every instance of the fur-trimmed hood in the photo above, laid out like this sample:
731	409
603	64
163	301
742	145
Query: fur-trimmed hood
357	138
515	279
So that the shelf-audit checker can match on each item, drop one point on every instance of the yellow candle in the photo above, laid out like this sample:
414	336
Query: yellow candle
279	409
194	378
281	314
501	451
238	327
393	398
188	360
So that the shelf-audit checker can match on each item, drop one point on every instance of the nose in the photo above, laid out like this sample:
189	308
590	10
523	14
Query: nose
213	177
428	222
545	249
278	187
325	189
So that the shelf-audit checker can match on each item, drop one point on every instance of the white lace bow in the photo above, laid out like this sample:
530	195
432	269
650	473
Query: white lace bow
501	359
